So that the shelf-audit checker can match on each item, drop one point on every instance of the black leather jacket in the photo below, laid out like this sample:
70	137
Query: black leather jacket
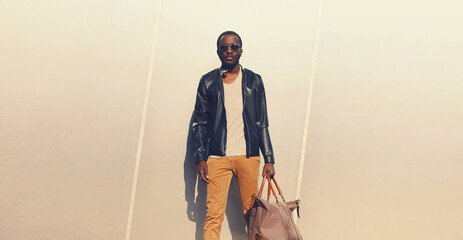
210	123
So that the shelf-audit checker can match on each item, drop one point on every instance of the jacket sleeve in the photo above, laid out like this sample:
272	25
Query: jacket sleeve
200	126
265	144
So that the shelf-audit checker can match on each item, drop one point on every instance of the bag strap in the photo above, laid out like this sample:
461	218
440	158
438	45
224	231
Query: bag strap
278	188
261	187
270	189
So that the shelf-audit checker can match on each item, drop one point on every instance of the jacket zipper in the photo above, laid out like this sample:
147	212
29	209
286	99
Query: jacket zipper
224	110
246	130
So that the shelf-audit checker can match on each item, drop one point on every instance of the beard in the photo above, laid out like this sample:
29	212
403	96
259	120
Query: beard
229	66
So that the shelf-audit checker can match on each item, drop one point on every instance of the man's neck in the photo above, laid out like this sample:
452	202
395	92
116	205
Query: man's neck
231	75
233	70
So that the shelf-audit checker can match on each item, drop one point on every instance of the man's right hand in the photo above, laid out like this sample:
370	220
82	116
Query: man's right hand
202	171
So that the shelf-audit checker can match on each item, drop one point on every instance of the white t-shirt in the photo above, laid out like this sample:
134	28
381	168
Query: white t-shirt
236	144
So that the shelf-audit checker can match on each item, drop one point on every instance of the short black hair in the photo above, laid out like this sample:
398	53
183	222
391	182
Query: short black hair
226	33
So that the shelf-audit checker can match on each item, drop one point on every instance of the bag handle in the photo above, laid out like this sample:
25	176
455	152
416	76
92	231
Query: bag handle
262	186
270	189
278	188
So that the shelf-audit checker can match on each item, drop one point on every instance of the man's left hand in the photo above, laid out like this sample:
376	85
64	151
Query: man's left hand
268	168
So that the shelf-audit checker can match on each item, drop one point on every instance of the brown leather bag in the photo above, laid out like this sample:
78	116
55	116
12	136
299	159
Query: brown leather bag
272	221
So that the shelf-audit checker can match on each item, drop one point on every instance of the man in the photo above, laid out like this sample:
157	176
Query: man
229	127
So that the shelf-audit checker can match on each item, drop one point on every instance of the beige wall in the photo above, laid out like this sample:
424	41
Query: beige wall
384	150
364	105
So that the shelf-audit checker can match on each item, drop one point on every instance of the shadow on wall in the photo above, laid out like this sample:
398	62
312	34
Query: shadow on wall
195	196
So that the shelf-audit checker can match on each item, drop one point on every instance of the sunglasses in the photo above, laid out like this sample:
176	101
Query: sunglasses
234	47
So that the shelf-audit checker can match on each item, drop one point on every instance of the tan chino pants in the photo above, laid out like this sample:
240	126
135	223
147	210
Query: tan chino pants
220	172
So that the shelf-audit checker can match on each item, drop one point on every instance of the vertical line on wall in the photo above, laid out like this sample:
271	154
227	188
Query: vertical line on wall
143	122
309	100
